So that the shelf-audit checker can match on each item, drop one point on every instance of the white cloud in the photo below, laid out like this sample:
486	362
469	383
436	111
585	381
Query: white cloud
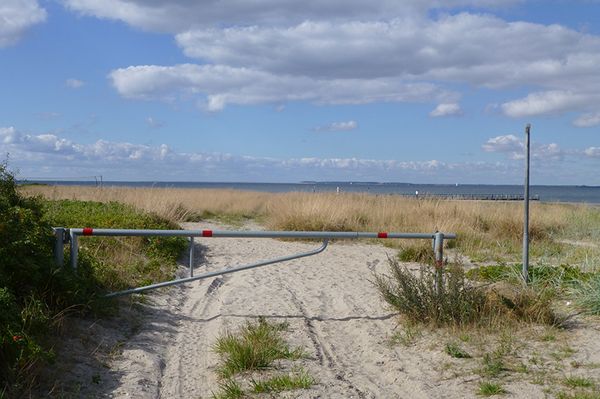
219	85
592	152
504	144
16	17
74	83
446	109
154	123
514	148
548	102
47	155
338	126
178	15
380	47
587	120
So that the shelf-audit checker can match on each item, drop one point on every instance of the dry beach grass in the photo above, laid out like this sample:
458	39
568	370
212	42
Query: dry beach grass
355	345
487	230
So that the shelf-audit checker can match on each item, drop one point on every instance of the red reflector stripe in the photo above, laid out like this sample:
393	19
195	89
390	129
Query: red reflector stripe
206	233
88	231
381	235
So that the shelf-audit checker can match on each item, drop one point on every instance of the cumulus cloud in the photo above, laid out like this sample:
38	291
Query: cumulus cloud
380	48
177	15
548	102
514	148
74	83
505	144
587	120
50	155
447	109
592	152
338	126
219	85
16	17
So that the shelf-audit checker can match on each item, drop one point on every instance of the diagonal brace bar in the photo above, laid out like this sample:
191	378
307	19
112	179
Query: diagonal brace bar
220	272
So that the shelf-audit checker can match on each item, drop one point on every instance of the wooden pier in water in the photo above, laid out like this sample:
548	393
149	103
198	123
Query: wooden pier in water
477	197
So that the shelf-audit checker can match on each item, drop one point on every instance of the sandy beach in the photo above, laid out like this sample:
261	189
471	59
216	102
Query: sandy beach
334	313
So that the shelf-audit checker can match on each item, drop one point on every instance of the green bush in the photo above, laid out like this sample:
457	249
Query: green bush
419	300
35	293
26	273
118	262
459	302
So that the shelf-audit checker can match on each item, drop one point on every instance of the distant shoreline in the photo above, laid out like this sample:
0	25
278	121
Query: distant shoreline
543	193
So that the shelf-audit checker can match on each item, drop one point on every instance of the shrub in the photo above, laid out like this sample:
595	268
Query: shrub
459	302
119	262
418	299
26	272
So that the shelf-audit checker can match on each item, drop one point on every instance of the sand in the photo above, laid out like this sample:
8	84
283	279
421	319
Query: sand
334	313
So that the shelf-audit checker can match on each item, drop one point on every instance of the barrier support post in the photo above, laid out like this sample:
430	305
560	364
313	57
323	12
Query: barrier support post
59	242
438	247
74	249
191	256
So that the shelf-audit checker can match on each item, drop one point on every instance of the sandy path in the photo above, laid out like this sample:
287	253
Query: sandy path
334	313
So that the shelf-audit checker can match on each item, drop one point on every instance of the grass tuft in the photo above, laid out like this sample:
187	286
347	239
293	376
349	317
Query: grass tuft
587	295
578	382
285	382
255	347
454	350
487	388
229	389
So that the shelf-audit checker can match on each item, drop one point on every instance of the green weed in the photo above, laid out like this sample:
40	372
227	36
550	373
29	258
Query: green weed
456	351
229	389
578	382
256	346
487	388
285	382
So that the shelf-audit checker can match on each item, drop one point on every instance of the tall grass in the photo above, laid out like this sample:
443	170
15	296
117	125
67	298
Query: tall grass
486	230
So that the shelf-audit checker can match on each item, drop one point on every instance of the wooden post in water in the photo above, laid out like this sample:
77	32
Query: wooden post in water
526	206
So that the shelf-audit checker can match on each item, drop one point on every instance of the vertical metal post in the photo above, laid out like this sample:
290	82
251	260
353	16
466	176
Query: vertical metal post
59	241
438	247
74	249
526	209
191	256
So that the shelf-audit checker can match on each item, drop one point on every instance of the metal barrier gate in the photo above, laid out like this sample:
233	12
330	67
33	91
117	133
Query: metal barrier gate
71	236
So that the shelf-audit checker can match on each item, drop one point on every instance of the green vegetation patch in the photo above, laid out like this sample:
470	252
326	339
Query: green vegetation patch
587	295
542	274
256	346
119	262
454	350
578	382
457	302
487	388
253	349
284	382
36	294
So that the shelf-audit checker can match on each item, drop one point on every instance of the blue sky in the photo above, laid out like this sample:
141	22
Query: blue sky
422	91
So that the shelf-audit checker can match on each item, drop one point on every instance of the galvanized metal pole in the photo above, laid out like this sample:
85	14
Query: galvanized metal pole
526	207
191	256
438	246
59	242
74	238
